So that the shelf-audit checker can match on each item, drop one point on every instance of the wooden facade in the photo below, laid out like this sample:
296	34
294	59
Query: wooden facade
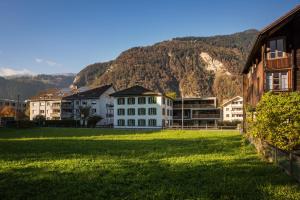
274	62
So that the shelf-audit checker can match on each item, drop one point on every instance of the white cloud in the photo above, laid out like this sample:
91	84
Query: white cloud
50	63
6	71
38	60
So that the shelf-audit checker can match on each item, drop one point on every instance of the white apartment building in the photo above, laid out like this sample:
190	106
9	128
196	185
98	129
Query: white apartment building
49	104
97	99
138	107
233	109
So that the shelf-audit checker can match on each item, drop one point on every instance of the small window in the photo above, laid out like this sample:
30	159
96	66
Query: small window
163	111
227	115
163	100
121	111
121	122
77	103
130	111
168	112
151	111
42	111
130	122
131	101
141	122
152	100
276	48
141	100
141	111
94	111
84	103
94	102
227	109
121	101
277	81
152	122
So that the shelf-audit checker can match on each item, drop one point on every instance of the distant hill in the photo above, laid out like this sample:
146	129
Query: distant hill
27	86
193	66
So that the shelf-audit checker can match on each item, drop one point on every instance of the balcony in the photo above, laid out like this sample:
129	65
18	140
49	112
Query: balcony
55	114
179	106
206	116
55	106
279	63
180	117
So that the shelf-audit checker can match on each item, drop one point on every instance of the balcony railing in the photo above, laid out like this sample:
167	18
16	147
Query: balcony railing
180	117
194	106
198	116
278	63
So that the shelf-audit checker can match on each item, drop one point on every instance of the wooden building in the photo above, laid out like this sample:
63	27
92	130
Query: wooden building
274	61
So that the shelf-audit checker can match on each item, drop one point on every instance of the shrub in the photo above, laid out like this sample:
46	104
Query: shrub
277	120
93	120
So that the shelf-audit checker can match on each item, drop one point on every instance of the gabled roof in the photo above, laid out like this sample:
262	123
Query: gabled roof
89	94
230	100
264	32
135	91
51	94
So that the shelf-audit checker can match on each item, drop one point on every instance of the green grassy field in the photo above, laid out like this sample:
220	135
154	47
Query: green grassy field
113	164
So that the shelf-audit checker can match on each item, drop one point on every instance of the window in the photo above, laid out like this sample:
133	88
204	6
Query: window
163	101
152	122
77	103
142	100
32	111
121	101
227	109
168	112
77	111
141	111
141	122
163	111
277	81
131	101
130	122
276	48
227	115
121	122
94	102
121	111
152	100
84	103
94	110
131	111
42	111
151	111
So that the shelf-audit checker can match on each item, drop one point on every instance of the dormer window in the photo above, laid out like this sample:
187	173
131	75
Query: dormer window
277	48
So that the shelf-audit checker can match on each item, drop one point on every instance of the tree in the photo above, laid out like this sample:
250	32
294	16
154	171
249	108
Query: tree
277	120
84	113
7	111
93	120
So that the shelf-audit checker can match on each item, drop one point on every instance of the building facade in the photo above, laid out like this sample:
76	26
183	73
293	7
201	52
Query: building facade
233	109
274	61
50	105
138	107
18	106
196	112
98	100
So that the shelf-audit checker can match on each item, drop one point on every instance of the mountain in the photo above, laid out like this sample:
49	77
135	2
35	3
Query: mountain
27	86
191	66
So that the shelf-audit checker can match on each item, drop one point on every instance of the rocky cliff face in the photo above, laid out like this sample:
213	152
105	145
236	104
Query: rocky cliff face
190	66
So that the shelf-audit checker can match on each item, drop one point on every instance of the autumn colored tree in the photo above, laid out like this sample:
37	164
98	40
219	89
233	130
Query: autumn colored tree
7	111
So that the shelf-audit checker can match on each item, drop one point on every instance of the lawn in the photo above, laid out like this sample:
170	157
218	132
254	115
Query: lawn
113	164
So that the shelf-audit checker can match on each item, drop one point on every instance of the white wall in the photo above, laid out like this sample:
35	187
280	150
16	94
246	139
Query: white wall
159	116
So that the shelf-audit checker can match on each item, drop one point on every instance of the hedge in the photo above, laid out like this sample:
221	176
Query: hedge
277	120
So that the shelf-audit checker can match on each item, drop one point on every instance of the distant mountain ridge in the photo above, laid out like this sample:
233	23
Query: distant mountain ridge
191	66
28	85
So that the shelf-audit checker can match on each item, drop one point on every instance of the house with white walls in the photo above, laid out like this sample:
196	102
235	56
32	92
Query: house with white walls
233	109
49	104
98	100
139	107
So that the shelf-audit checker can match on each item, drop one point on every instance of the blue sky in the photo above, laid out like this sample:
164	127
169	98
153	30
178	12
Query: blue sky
60	36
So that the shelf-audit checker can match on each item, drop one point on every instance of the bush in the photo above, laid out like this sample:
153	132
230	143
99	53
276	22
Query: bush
62	123
93	120
277	120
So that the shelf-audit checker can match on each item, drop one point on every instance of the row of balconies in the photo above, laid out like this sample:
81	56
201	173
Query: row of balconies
199	116
175	106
